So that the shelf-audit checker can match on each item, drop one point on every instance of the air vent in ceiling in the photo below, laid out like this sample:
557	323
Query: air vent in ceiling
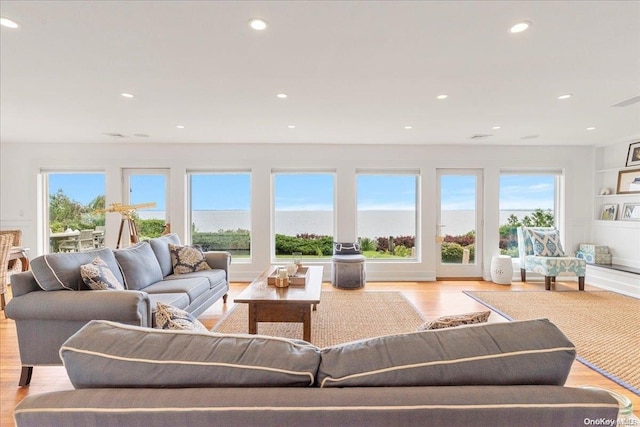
530	137
480	136
628	102
114	135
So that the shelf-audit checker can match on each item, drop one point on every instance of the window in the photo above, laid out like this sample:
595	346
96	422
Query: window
387	214
528	199
220	212
303	213
74	201
145	187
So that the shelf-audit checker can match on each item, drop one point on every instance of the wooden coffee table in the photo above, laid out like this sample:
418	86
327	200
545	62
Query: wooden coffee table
291	304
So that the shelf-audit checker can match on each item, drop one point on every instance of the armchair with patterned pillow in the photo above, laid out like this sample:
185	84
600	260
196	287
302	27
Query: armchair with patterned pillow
541	252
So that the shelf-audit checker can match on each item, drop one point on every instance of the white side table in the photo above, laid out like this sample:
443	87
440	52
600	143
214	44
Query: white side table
501	269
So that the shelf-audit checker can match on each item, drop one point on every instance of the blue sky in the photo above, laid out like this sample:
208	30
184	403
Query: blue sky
314	191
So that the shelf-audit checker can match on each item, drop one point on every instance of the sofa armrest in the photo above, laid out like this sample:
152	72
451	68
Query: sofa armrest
219	259
23	283
132	307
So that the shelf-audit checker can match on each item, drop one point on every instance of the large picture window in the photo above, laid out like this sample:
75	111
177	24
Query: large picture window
303	213
387	214
221	212
529	199
74	220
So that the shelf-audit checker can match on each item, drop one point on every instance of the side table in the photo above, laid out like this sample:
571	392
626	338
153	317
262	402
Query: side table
501	269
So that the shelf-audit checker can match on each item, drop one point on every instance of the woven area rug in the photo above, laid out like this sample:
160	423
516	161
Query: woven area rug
341	316
604	326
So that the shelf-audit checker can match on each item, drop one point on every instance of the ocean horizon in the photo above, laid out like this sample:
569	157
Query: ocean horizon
372	223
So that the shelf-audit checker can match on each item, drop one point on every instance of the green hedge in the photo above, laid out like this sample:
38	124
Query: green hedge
452	252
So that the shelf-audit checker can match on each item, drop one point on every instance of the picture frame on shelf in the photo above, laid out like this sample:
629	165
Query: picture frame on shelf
630	212
628	181
633	157
609	212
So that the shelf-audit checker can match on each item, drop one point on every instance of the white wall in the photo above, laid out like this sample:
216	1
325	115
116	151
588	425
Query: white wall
21	163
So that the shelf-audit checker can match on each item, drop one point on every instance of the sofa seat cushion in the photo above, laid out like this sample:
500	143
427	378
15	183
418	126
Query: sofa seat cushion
139	266
513	353
192	286
174	299
214	276
62	270
160	246
110	354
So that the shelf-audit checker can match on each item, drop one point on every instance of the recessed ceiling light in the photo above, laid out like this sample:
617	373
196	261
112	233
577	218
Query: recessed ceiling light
565	96
408	127
443	96
591	128
496	127
258	24
6	22
520	27
291	126
282	95
127	95
180	127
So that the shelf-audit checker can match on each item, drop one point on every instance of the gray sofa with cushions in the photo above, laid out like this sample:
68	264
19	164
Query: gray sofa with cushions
51	302
499	374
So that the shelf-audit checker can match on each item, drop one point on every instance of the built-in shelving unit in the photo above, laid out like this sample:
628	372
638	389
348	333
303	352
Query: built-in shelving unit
621	236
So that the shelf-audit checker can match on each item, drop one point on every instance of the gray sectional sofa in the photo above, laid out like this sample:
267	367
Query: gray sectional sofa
499	374
51	302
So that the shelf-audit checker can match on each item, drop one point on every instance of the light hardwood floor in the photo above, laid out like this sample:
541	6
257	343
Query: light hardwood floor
433	299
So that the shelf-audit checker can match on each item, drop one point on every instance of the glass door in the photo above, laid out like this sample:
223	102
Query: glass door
459	223
145	190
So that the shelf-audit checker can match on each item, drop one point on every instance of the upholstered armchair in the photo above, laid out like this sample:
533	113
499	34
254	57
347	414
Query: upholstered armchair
541	252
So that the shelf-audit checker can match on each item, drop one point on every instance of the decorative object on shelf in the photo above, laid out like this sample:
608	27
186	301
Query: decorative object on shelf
594	254
629	181
604	191
633	157
609	212
630	212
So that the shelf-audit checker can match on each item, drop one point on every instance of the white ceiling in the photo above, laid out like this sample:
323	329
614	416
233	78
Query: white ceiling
354	72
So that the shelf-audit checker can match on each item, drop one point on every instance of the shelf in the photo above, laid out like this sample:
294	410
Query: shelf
604	196
617	223
616	169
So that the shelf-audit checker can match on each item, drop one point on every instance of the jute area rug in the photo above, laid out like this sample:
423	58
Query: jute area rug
341	316
604	326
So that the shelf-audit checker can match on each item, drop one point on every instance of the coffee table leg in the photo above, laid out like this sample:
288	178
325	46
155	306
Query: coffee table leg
306	323
253	325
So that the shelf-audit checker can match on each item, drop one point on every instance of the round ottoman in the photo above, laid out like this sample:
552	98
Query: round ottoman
501	269
347	271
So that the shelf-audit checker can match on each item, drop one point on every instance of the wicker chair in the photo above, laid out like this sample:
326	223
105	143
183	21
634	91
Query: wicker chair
6	241
15	266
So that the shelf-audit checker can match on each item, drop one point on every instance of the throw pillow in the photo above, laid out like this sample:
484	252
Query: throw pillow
168	317
456	320
98	276
187	259
546	242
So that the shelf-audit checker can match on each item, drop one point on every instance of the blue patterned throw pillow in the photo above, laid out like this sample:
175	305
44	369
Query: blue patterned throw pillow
169	317
546	243
187	259
98	276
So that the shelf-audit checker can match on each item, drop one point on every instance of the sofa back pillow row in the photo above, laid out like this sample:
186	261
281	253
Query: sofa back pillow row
108	354
135	267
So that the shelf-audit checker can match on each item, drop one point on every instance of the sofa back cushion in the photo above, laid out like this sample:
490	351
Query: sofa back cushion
110	354
160	246
62	270
139	266
510	353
